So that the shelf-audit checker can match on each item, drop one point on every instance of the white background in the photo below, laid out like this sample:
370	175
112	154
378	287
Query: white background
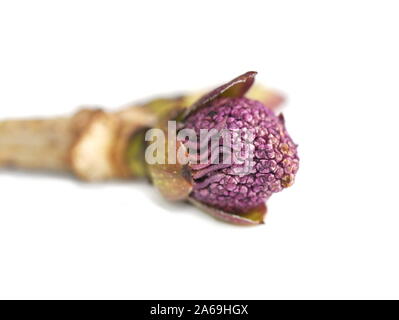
334	234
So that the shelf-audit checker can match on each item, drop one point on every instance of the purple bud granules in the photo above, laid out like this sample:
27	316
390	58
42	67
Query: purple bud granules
273	165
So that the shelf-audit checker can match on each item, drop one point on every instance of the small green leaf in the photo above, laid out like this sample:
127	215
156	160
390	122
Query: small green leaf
235	88
173	180
254	216
270	98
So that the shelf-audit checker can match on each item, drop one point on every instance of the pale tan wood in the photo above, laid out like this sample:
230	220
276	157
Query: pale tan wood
91	144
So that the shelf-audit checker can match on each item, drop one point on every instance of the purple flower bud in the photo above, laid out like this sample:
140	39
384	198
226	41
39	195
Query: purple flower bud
274	161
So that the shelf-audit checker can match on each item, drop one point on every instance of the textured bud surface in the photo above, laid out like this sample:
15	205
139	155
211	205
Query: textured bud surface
273	166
